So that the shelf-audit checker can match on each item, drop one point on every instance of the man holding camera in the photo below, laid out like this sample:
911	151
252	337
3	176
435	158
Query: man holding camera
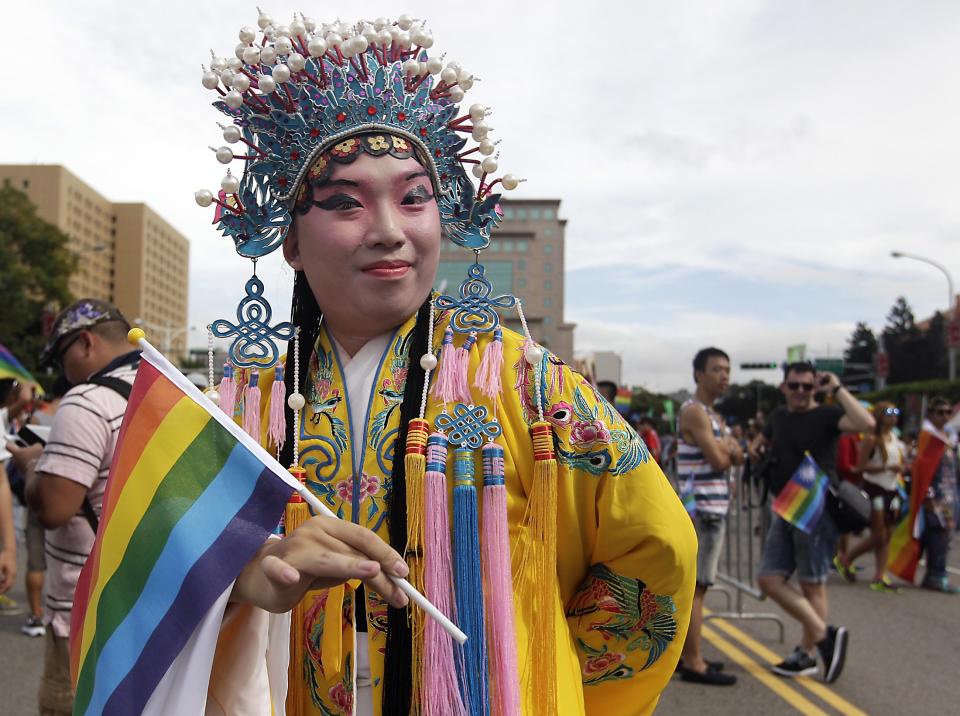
803	425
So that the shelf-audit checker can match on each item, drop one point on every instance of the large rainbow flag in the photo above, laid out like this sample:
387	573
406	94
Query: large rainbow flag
802	499
904	551
10	367
189	501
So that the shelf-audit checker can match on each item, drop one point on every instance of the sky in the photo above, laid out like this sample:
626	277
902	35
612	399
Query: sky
733	173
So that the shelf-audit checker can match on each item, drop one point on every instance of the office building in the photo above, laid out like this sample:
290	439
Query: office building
525	258
126	253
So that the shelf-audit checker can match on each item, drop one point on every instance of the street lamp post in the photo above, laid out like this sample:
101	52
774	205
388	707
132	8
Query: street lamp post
951	351
169	332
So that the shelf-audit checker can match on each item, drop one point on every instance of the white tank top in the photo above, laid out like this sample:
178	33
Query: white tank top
888	478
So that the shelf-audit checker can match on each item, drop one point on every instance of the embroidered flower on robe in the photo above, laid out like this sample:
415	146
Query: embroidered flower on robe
369	486
342	698
603	662
621	610
587	433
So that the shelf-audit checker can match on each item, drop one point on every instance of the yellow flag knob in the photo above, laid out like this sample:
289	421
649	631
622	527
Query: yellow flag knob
135	335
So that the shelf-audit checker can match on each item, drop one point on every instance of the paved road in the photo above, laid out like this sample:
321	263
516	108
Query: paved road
904	656
904	659
21	659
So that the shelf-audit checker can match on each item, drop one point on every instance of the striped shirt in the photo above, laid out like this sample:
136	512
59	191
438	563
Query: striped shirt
711	488
80	448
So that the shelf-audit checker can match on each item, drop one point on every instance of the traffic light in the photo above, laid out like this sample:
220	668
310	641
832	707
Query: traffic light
759	366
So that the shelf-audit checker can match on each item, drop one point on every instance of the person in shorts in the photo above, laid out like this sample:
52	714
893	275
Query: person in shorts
704	456
881	466
65	479
939	519
800	427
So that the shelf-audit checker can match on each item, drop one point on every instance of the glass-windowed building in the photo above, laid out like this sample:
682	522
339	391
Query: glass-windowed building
525	258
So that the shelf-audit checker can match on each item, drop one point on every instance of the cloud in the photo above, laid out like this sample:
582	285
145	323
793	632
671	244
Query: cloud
742	144
748	155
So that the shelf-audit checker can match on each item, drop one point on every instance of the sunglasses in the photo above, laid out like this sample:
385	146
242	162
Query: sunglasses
796	385
892	411
941	411
58	358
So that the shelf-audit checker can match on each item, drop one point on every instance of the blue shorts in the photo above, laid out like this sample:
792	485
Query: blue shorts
710	528
787	550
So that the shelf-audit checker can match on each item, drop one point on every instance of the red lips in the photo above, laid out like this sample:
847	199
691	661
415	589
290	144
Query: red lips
386	265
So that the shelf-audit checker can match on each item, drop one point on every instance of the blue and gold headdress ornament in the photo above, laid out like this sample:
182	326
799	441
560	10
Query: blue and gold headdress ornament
292	92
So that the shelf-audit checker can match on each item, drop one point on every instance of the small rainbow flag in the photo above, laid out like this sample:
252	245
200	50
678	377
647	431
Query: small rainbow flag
802	499
622	399
10	367
189	501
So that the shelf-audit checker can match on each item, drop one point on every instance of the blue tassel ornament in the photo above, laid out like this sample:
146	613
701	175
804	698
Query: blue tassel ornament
468	584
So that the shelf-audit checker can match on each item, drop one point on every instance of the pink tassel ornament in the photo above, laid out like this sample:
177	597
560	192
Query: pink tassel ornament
277	421
451	383
498	588
487	378
441	692
228	391
251	407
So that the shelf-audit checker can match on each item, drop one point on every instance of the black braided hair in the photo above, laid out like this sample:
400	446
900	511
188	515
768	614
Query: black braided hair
305	314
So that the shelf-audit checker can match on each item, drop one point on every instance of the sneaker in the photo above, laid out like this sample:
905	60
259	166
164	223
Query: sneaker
940	584
798	663
710	677
848	573
833	651
33	627
884	586
8	607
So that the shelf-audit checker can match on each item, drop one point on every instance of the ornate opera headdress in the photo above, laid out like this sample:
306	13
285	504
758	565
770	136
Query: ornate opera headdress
302	95
301	89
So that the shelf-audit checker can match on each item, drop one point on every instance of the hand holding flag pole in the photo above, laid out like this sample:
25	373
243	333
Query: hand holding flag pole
138	337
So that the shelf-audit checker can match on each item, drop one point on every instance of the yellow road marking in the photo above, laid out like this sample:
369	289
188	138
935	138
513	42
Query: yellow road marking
815	687
774	683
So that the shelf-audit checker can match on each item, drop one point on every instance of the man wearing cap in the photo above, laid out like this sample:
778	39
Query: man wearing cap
66	477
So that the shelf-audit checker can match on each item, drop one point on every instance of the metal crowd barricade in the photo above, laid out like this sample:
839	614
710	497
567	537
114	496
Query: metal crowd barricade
747	523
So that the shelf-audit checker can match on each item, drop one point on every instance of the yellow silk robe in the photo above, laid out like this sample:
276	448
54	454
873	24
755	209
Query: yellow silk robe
626	550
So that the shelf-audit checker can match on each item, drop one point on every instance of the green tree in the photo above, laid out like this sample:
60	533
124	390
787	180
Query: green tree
915	354
35	266
861	346
900	320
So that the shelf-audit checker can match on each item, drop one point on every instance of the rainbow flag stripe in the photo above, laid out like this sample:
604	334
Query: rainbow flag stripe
188	503
802	499
10	367
904	550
